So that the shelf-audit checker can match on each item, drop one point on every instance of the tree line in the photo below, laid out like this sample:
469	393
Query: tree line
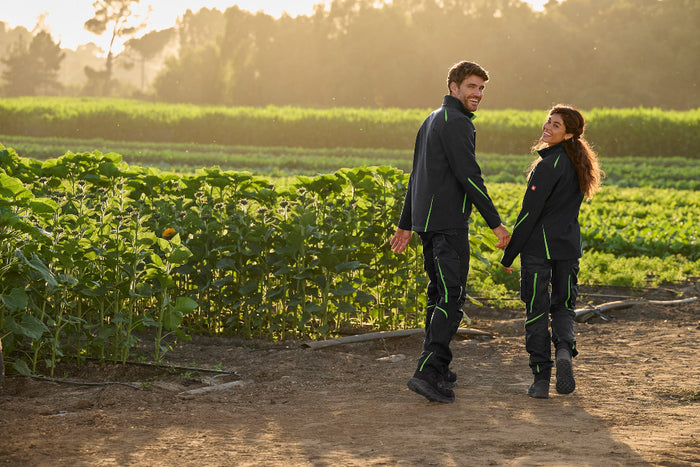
367	53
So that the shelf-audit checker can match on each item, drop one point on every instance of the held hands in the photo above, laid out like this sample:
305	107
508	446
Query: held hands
400	240
503	236
503	241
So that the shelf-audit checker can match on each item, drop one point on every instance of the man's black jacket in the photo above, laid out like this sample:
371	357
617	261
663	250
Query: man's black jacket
446	180
547	226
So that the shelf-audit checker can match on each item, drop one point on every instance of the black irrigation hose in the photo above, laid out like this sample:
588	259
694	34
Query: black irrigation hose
603	286
129	362
169	367
82	383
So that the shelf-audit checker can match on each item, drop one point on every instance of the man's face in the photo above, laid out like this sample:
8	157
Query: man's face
470	92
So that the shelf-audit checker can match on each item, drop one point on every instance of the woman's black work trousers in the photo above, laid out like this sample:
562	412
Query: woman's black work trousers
446	261
536	276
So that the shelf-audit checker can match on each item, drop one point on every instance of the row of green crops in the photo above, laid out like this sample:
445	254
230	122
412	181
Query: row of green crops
93	250
661	172
95	253
616	132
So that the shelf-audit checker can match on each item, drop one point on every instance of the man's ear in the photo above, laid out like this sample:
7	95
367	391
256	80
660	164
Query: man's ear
453	88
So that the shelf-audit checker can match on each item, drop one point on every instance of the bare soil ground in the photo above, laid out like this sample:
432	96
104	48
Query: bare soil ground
636	402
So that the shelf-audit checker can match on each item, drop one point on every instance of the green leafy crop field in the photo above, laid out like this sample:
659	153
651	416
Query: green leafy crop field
94	251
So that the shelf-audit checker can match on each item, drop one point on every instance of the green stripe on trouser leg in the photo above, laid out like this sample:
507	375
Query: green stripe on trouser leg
535	276
446	261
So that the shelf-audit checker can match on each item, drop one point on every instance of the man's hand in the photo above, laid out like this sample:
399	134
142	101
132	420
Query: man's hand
508	270
503	236
400	240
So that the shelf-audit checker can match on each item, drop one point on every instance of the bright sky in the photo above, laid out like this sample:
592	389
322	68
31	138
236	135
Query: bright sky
65	18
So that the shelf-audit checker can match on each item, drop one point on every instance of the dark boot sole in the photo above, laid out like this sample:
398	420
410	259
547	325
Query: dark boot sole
565	376
423	388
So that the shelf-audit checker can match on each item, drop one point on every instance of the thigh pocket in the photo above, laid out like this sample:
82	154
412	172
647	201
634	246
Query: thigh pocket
447	265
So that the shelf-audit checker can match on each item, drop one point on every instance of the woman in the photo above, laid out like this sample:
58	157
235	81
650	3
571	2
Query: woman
547	237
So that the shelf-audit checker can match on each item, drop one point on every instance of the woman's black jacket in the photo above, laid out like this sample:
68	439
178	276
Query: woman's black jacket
547	226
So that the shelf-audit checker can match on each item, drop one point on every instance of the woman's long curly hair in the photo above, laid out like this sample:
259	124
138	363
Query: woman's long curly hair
584	158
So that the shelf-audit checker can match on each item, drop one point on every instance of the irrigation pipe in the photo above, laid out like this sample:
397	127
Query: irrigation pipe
384	334
584	314
166	366
82	383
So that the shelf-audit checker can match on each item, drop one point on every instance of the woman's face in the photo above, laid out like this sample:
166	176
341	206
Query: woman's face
554	130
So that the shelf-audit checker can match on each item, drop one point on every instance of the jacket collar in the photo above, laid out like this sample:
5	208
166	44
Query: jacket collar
549	150
454	103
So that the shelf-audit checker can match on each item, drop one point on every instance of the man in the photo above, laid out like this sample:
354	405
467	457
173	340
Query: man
445	182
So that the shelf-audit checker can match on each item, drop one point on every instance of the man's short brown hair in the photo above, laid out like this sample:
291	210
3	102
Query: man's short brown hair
461	70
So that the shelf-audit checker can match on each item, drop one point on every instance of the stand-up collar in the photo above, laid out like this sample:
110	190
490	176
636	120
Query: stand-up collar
549	150
454	103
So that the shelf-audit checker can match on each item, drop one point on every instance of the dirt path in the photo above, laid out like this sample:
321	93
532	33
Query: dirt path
636	403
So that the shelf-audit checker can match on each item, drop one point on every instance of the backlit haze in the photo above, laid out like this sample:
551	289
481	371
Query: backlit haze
64	19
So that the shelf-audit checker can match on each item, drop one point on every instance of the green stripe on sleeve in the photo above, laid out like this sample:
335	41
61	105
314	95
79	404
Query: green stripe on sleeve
521	220
478	189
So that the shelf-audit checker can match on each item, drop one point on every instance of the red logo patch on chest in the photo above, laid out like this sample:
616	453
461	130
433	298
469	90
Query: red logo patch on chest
533	187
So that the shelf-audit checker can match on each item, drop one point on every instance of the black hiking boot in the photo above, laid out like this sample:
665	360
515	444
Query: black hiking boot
565	372
431	387
539	389
450	379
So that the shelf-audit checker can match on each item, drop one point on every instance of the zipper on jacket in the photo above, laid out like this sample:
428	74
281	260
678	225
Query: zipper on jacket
521	220
430	209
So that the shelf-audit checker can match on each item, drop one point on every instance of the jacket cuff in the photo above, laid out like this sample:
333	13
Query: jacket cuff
507	260
493	223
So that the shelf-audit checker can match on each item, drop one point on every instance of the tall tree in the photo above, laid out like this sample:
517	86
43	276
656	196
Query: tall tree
590	53
33	70
147	47
198	29
194	77
115	16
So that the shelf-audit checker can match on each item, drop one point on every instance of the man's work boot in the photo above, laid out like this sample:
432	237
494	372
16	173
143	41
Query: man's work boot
432	387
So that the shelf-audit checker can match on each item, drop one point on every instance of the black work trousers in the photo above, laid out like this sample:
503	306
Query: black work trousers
446	261
536	276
